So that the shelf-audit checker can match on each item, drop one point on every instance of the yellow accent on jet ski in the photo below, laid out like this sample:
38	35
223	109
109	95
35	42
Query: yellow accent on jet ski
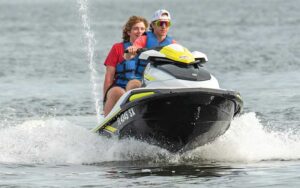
110	128
107	120
239	96
140	95
149	77
180	54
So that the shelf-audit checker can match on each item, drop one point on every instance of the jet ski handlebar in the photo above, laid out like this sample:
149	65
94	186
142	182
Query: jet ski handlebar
141	50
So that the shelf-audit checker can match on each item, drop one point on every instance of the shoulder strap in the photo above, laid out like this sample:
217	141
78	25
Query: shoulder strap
126	45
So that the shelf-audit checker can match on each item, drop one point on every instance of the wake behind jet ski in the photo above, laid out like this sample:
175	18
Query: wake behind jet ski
180	106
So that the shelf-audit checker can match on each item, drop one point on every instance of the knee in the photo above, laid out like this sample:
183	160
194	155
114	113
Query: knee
132	84
115	93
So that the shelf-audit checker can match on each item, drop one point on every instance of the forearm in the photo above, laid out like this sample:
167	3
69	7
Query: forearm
109	78
107	83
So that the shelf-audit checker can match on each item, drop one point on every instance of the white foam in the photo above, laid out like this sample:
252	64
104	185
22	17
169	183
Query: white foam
60	142
247	141
50	141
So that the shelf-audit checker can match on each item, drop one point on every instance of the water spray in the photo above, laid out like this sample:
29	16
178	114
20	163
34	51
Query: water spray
90	40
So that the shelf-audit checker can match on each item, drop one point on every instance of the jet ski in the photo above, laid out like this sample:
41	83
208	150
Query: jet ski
180	106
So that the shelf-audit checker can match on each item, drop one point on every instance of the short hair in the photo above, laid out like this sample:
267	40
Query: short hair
129	24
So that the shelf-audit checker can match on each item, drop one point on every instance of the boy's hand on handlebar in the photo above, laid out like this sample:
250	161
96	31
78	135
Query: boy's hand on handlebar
132	50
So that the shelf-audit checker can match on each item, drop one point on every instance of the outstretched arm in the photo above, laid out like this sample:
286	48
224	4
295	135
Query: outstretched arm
140	42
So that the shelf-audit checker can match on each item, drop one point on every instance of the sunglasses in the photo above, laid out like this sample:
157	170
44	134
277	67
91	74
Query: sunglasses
160	23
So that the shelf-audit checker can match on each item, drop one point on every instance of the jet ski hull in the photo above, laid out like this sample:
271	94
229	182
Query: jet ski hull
175	119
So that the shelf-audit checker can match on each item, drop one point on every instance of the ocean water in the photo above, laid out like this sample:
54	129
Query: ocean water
51	75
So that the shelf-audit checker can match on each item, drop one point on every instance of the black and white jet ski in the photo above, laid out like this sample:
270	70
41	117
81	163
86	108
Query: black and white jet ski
180	106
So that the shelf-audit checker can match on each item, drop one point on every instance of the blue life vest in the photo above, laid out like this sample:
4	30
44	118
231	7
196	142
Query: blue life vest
151	43
125	70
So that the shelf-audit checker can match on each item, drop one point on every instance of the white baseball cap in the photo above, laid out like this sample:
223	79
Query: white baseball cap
161	14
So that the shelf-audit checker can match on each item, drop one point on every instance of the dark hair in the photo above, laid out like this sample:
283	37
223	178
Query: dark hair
150	27
129	24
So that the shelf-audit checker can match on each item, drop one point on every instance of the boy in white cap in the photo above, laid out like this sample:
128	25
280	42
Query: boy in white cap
160	25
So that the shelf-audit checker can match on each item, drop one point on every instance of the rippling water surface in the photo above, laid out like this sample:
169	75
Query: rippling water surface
51	77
